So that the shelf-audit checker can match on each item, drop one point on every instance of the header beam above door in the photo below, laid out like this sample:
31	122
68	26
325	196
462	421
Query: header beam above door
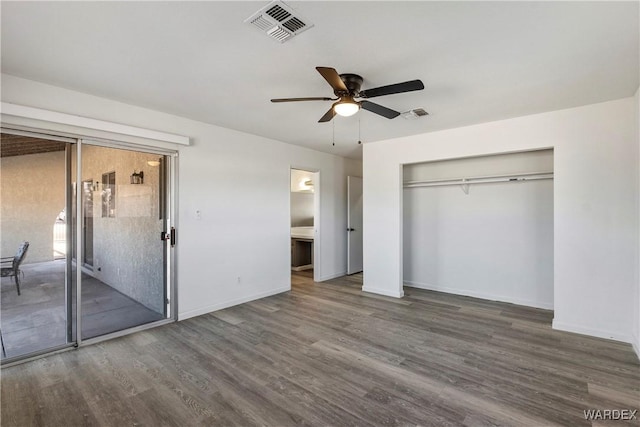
16	110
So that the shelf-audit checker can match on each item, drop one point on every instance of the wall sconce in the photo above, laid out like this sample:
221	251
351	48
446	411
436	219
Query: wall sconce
137	177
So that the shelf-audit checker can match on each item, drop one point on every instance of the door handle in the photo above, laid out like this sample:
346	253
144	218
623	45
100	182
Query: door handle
351	229
170	236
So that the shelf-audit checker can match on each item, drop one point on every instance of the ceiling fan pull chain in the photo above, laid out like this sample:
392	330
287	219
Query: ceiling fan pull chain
333	134
359	138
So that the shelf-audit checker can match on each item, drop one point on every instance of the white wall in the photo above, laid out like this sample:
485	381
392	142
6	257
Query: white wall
494	241
302	209
595	219
240	183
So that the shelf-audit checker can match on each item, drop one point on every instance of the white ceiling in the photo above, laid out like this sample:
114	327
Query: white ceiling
480	61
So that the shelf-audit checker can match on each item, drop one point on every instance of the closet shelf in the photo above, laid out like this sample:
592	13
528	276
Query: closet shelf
527	176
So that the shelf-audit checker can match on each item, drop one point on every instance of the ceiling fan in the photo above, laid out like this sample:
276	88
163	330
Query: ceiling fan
347	87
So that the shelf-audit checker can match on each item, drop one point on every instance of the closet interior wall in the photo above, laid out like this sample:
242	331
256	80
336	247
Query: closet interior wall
492	239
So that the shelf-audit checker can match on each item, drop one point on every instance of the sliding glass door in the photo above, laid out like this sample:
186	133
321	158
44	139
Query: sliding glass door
37	269
125	284
117	254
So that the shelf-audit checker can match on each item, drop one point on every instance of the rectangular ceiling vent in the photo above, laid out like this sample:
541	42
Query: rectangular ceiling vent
278	21
414	114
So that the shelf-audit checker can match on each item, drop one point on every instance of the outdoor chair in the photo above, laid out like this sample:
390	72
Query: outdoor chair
10	266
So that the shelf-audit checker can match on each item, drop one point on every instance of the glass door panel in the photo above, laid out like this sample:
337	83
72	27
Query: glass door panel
124	283
36	244
102	235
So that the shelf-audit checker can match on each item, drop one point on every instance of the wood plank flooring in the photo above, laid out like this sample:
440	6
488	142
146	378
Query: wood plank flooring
330	355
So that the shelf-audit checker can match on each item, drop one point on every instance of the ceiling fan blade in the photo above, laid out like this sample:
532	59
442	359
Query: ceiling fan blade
379	109
302	99
391	89
327	116
333	78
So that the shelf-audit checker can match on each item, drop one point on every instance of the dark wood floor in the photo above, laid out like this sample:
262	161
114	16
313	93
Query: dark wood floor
36	319
329	354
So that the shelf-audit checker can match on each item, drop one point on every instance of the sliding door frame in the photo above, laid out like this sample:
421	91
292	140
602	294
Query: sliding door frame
68	283
68	289
170	221
170	188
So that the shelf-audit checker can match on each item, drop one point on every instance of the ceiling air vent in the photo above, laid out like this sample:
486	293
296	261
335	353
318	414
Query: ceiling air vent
414	114
278	21
278	13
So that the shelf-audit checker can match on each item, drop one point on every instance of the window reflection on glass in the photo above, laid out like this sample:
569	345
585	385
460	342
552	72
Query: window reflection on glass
109	195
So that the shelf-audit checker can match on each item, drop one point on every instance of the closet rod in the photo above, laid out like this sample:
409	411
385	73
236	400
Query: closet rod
480	180
510	175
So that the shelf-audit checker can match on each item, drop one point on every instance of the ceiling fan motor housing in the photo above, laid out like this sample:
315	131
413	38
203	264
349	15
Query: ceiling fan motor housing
353	82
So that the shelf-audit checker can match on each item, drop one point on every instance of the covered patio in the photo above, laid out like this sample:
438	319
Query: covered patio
36	319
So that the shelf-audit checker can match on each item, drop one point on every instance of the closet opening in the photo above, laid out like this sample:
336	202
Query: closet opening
481	227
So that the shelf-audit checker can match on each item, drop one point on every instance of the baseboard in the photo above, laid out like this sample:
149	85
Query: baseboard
491	297
231	303
636	347
332	276
384	292
594	332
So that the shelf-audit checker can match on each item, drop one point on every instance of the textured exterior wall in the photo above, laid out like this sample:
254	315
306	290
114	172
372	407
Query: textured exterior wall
127	251
31	197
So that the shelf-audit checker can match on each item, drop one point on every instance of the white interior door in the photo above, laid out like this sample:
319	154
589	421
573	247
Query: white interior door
354	225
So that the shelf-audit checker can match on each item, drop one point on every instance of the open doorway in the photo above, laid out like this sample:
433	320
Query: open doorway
354	225
304	224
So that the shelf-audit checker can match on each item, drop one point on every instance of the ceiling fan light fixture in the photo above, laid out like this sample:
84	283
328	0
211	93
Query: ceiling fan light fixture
346	107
